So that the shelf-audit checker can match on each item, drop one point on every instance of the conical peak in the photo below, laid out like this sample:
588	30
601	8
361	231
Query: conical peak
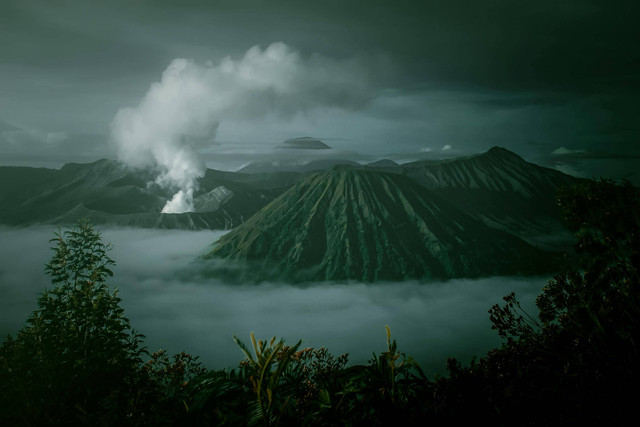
356	224
347	175
502	152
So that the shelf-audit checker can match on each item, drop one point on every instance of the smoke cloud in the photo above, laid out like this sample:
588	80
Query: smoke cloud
185	108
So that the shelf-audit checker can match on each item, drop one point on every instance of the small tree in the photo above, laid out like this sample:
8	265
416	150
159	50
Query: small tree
77	352
579	359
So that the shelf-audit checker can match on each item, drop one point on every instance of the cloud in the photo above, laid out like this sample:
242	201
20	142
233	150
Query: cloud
569	170
562	151
50	148
27	137
446	147
191	100
167	300
576	154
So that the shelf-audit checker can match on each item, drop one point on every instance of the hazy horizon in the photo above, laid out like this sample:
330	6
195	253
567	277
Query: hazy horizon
221	83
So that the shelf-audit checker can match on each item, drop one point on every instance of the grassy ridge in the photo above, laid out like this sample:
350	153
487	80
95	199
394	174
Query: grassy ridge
367	225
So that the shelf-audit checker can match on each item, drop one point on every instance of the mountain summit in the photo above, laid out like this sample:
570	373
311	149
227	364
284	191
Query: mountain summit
502	190
365	225
305	142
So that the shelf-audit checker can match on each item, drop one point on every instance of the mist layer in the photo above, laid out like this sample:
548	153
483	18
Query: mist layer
176	309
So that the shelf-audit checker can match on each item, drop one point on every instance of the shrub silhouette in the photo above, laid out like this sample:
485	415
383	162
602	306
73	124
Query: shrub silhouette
76	354
579	359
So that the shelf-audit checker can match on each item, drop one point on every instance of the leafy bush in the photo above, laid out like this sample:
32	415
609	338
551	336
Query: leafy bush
281	385
578	360
76	354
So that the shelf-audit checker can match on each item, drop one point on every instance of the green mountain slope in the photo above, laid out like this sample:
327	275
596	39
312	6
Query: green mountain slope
500	189
106	192
366	225
497	188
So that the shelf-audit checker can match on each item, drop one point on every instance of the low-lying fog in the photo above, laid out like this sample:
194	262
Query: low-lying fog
178	311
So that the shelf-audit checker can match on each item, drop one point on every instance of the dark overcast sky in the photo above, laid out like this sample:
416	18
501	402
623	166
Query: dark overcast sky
555	81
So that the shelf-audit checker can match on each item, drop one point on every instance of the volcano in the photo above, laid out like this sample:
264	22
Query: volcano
503	191
364	225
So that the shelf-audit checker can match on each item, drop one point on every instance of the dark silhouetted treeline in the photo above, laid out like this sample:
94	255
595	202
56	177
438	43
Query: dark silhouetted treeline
77	361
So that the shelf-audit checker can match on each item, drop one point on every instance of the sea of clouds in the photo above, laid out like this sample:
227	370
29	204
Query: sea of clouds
176	308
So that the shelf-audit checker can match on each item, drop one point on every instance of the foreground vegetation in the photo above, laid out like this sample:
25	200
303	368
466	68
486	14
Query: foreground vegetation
77	361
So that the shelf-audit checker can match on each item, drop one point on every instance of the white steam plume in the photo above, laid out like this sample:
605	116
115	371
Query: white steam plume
192	99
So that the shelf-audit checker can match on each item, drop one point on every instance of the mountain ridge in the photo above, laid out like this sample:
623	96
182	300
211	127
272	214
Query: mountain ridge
502	190
356	224
107	192
304	143
496	187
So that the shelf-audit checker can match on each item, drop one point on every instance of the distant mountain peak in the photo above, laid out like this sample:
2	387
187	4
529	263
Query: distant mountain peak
503	152
304	142
498	149
6	127
294	165
384	163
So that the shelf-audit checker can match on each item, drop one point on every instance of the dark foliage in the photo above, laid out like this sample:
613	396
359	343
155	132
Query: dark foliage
281	385
578	360
75	355
77	360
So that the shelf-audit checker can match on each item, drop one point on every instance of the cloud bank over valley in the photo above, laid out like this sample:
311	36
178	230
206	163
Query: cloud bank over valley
168	300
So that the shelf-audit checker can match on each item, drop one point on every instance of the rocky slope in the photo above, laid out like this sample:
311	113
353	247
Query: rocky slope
502	190
364	225
497	187
108	193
